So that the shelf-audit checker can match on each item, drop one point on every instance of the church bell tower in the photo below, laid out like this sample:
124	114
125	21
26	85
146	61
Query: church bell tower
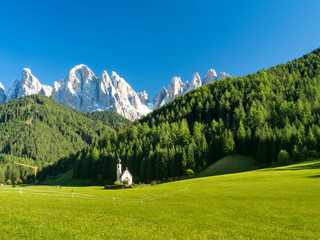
119	170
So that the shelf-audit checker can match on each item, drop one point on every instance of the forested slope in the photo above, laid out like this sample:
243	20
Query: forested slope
257	115
110	118
39	131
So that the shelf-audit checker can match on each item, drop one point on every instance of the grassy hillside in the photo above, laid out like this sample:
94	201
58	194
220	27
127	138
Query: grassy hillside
230	164
67	180
44	131
276	203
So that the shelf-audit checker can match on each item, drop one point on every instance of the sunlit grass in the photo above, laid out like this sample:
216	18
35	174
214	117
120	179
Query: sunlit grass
280	203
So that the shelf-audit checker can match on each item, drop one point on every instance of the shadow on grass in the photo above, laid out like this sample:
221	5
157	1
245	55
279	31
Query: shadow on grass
314	176
306	166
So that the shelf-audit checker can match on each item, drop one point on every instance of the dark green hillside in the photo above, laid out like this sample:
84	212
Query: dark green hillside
256	115
229	164
44	131
110	118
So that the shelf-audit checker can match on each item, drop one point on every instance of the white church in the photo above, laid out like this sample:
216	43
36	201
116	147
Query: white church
123	176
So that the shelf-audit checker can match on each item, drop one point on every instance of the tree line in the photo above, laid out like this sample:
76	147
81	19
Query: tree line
257	115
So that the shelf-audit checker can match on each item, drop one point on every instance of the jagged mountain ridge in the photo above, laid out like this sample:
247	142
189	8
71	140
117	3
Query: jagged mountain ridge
84	91
177	87
28	85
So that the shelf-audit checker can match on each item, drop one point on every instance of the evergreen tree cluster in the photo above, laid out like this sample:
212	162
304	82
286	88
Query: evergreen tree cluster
110	118
39	131
258	115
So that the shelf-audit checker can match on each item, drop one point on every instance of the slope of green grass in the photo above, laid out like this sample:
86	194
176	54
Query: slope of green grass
230	164
67	180
275	203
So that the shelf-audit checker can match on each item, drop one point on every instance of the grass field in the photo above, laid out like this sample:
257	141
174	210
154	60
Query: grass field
275	203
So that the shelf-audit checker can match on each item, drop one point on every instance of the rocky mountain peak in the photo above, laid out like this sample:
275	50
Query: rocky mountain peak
13	90
26	71
29	84
78	75
82	90
224	75
211	76
160	98
195	82
175	88
144	98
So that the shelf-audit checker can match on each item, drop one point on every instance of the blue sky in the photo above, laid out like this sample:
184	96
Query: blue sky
148	42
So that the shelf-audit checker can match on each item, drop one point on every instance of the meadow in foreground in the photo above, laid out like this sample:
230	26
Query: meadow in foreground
275	203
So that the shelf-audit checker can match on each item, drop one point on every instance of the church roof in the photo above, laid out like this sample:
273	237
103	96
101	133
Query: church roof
126	171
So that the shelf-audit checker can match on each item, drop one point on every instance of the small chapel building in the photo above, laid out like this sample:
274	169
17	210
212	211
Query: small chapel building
125	176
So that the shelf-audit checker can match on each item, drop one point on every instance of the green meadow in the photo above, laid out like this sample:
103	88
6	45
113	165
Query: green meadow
273	203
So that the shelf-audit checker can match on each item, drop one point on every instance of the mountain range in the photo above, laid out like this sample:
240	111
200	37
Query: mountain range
84	91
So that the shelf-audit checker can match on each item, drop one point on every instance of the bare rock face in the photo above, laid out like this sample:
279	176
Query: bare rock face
46	90
160	98
13	90
144	98
82	90
28	85
177	87
224	75
195	82
3	94
78	90
106	90
211	76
